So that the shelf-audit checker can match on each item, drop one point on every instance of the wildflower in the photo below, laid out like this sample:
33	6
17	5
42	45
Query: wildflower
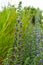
18	20
41	37
15	39
37	39
15	50
37	42
18	56
38	53
40	48
41	60
20	35
13	45
12	59
20	42
38	63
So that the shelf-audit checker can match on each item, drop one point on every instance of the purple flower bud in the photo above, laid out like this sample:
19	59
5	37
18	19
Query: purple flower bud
41	37
13	45
20	42
15	39
15	50
41	60
38	63
18	21
20	35
12	59
37	39
38	53
37	42
40	48
18	56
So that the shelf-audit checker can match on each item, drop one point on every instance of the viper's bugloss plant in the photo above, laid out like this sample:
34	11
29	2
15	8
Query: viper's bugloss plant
14	56
21	36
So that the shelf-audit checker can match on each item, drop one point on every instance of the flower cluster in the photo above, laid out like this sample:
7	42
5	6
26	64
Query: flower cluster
14	55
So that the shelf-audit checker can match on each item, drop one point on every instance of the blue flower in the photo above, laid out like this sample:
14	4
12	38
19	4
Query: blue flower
20	42
15	39
18	20
38	63
41	37
20	35
12	59
37	42
41	60
15	50
37	39
13	45
18	56
40	48
38	53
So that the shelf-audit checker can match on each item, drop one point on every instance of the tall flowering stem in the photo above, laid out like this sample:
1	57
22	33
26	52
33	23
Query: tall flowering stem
18	40
37	19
